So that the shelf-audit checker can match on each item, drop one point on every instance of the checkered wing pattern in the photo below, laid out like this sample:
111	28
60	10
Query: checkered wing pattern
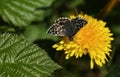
59	27
65	27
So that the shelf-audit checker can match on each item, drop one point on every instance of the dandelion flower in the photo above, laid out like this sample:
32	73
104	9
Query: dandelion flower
93	39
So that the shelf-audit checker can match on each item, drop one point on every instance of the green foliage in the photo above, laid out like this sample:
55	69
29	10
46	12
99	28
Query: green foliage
34	32
22	12
20	58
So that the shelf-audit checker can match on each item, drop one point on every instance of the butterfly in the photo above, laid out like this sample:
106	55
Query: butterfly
65	26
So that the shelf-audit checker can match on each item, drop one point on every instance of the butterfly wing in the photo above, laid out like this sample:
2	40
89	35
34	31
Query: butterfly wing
64	27
59	27
77	23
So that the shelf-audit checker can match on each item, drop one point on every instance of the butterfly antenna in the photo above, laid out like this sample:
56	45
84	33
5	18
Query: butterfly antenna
76	12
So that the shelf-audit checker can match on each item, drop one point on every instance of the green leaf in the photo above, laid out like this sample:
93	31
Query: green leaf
20	58
22	12
6	28
35	32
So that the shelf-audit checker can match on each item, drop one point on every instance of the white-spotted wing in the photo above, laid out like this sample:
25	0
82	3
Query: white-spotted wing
65	27
59	27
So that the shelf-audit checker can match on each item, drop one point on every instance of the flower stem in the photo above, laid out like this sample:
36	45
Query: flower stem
107	9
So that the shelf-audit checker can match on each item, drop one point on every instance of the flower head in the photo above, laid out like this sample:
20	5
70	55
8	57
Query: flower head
93	39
